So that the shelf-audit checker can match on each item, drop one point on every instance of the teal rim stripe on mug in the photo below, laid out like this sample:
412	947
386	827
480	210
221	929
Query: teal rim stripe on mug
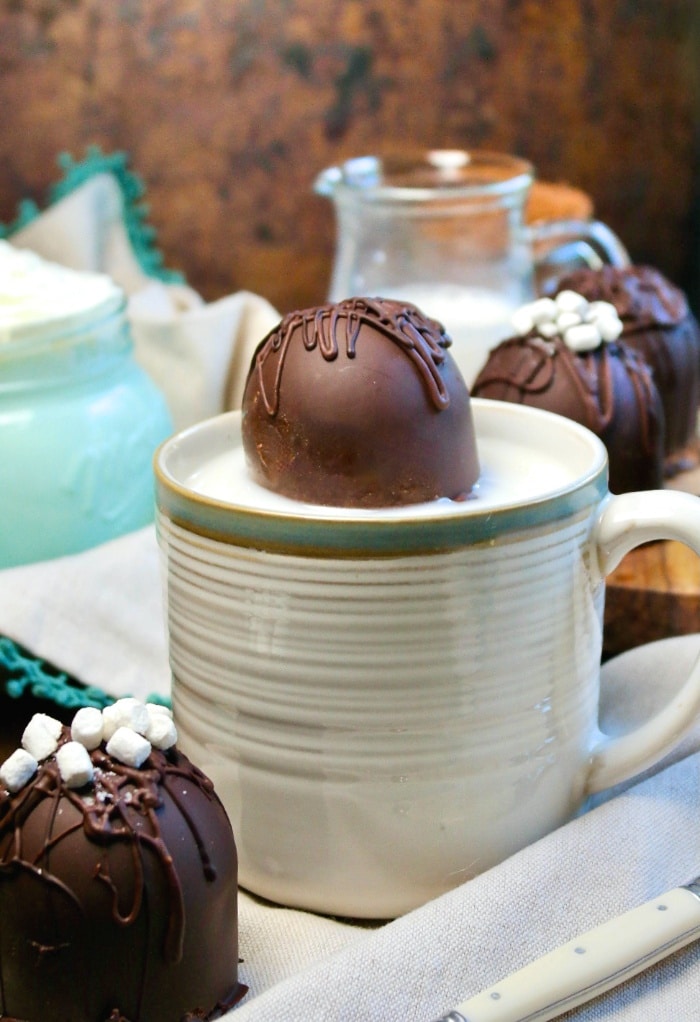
313	533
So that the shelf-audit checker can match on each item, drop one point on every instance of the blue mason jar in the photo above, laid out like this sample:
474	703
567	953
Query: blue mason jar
79	424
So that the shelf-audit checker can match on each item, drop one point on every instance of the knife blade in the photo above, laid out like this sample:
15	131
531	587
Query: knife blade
591	963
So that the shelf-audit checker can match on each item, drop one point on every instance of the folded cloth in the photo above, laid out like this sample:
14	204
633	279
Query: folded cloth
99	615
421	966
197	353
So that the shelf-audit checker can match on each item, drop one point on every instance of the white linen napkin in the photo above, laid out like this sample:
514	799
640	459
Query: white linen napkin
99	615
96	615
197	353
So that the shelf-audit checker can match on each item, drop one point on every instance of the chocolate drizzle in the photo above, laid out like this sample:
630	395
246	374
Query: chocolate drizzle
641	294
609	390
359	404
327	328
589	375
119	795
658	324
135	822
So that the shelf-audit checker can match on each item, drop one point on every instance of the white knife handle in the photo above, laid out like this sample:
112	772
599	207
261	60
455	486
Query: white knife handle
590	964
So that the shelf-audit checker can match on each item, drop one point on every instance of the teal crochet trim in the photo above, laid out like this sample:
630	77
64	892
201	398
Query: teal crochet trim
142	235
27	210
27	675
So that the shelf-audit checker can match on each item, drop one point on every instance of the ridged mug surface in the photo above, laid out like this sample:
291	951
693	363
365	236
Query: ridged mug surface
380	732
383	723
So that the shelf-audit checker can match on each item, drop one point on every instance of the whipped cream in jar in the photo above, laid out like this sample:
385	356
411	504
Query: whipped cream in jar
79	419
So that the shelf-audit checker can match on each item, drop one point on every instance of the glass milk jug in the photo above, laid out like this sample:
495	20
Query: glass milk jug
445	229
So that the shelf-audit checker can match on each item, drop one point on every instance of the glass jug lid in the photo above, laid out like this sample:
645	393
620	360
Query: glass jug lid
425	175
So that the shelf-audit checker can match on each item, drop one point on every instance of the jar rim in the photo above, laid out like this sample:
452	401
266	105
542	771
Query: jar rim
427	175
36	333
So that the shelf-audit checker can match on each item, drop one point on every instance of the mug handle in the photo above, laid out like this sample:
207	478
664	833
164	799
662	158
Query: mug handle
560	244
627	521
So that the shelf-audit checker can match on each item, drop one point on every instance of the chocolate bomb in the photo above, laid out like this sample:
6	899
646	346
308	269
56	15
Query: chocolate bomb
609	389
118	900
656	322
359	404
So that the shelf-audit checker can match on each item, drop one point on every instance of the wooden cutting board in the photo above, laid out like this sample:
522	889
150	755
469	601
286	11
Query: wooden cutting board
655	591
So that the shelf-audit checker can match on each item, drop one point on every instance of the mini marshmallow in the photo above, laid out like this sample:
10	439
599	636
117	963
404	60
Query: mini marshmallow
40	736
74	764
597	310
604	316
548	330
87	727
567	319
159	708
162	733
128	747
522	321
53	726
609	327
570	301
126	712
584	337
542	309
18	769
582	325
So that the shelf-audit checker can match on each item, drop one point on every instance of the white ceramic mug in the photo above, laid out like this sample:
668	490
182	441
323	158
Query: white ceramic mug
391	702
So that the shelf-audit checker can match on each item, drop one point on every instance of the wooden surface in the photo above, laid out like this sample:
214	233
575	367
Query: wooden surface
229	108
655	591
654	594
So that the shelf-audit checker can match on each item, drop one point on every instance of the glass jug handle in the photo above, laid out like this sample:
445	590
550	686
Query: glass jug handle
559	246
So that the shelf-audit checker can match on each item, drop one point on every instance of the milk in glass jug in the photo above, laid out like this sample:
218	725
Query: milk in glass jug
445	229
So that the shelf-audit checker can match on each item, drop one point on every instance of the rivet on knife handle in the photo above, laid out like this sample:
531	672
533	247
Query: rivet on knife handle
591	963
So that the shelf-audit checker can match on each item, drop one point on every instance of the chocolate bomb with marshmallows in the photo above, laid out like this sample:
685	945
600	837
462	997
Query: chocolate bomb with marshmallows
567	358
359	404
118	878
658	324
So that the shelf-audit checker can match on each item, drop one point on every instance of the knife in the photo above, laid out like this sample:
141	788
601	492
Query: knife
591	963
